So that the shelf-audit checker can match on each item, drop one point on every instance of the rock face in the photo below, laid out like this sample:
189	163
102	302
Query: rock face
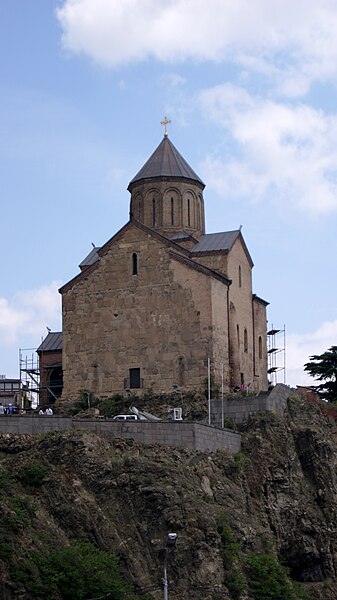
277	498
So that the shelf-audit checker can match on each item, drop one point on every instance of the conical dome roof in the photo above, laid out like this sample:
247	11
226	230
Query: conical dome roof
166	161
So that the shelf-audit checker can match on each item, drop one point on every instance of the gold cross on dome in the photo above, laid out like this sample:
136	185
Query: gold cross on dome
165	122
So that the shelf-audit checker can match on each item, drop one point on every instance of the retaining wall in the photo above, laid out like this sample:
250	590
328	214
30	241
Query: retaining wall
241	408
195	436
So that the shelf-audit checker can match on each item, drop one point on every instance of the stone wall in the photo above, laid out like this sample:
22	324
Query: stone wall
239	409
195	436
158	320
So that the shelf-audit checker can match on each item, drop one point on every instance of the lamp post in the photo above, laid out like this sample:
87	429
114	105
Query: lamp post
171	541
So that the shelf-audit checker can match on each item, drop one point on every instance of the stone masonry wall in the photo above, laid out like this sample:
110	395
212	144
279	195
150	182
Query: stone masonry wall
195	436
241	297
159	320
241	408
260	331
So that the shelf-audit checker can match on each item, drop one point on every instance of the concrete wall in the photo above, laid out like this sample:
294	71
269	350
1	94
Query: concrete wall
241	408
195	436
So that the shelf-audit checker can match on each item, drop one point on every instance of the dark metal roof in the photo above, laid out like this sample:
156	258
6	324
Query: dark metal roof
90	259
166	161
52	342
182	235
216	241
262	301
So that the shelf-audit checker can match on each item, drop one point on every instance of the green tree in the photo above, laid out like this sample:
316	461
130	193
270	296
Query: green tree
81	571
323	368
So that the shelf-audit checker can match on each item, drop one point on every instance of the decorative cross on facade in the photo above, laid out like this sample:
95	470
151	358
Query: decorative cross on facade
165	122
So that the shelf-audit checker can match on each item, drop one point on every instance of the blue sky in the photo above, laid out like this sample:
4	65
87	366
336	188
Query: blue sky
250	88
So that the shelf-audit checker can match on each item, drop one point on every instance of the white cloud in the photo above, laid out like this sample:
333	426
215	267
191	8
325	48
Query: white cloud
299	348
29	313
285	152
292	42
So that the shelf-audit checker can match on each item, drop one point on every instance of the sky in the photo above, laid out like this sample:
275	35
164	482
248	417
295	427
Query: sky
250	89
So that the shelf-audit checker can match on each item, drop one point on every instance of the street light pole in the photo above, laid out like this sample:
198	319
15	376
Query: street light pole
165	582
171	541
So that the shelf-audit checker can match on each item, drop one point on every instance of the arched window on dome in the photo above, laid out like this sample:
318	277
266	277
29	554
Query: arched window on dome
172	211
134	264
139	210
188	212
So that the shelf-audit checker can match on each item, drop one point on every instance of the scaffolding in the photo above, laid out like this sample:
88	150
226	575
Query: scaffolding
30	371
276	339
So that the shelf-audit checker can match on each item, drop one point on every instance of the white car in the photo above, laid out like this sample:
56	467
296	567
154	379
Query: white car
125	418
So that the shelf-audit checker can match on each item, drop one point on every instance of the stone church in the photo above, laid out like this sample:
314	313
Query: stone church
161	298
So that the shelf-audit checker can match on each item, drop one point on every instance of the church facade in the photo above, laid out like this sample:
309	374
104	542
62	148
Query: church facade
161	298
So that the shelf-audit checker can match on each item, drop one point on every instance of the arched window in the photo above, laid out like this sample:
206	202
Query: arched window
188	212
134	264
153	212
238	335
260	347
240	276
139	211
172	211
245	340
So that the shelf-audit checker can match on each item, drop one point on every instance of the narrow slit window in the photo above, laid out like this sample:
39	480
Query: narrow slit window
245	340
188	212
172	211
238	335
153	212
139	211
240	276
260	347
134	264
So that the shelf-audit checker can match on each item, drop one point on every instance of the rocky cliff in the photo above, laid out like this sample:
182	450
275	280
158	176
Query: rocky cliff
249	526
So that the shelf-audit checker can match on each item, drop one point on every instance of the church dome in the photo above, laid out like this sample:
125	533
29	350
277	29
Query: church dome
166	162
166	194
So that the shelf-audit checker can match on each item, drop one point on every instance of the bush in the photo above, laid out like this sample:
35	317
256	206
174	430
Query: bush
32	473
231	553
229	424
107	406
269	580
81	571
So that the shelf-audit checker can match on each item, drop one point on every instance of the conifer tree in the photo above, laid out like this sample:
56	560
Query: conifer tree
323	368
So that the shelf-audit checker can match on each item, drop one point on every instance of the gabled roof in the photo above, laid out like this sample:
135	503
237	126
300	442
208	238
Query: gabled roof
85	273
90	259
182	235
216	241
52	342
166	161
220	242
260	300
